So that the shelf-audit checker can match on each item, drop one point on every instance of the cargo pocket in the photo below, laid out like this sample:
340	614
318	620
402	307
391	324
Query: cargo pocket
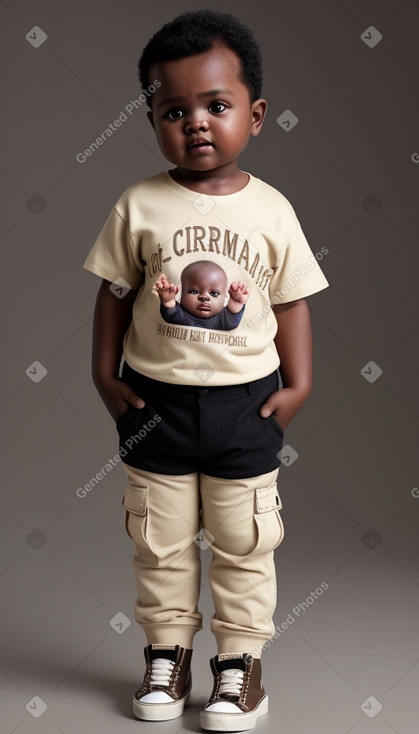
135	504
269	523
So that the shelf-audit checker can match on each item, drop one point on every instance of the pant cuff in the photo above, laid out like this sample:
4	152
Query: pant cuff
170	634
238	643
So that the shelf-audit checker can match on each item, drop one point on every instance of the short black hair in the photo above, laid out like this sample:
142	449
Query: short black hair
196	31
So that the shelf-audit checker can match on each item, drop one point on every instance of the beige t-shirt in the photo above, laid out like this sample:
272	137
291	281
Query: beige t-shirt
158	226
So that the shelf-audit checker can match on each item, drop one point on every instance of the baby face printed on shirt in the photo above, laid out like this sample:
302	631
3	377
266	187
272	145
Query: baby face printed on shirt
204	289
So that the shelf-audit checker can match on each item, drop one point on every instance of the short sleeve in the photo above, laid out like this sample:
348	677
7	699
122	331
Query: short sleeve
297	273
112	256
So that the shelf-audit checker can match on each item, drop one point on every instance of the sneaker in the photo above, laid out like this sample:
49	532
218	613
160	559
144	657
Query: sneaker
167	683
238	698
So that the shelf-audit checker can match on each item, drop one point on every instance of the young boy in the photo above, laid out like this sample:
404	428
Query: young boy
204	291
199	411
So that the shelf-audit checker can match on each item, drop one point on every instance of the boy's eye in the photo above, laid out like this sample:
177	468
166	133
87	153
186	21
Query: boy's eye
214	294
174	114
217	107
193	291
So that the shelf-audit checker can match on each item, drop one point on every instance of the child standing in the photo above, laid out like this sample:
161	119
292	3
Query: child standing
199	411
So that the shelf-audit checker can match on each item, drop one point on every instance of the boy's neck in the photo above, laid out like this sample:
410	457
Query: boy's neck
217	182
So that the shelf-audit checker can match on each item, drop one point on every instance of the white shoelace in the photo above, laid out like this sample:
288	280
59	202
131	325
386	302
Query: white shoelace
231	681
161	670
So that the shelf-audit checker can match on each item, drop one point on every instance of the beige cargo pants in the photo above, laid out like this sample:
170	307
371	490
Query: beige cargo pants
170	519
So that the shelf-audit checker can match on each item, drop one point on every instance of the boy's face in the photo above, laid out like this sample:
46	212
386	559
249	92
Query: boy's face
203	292
201	113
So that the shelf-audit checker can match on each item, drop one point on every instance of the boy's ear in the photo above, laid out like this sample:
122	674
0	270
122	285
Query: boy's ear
151	118
258	112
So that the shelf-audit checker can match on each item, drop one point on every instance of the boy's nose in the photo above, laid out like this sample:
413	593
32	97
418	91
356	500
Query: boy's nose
203	298
196	123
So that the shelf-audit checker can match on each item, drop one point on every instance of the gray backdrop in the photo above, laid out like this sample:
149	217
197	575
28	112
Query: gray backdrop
72	653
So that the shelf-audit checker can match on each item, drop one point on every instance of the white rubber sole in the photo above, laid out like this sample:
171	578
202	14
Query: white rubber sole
217	721
159	711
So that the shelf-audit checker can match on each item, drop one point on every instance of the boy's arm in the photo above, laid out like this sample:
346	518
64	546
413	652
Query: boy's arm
294	345
110	322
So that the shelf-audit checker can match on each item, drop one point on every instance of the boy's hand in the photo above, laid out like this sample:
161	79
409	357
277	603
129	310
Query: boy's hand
167	291
283	405
239	294
293	343
111	320
117	396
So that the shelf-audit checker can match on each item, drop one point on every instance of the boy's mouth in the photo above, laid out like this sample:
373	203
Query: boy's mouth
199	143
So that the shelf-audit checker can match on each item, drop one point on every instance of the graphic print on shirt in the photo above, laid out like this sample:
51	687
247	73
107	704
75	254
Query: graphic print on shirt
225	244
155	232
206	299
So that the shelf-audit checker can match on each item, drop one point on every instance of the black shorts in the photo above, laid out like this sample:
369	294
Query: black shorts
215	430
